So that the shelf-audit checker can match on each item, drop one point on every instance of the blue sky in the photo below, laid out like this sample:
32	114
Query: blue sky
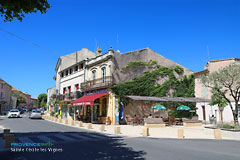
178	30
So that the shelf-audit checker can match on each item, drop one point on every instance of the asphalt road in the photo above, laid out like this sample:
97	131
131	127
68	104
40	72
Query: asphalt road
72	143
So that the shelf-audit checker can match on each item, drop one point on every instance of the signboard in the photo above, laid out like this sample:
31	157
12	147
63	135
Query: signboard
192	111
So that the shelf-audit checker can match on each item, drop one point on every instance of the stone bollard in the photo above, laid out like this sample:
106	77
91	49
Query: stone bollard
145	131
80	124
102	128
72	122
89	126
56	119
217	134
5	132
60	120
117	130
66	121
9	138
180	133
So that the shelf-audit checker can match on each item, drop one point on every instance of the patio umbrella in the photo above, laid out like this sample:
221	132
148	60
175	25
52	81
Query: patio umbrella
159	107
183	108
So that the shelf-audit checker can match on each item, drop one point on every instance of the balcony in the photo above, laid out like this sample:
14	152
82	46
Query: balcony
97	83
69	96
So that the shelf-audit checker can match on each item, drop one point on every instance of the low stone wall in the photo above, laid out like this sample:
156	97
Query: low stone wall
154	125
232	134
192	124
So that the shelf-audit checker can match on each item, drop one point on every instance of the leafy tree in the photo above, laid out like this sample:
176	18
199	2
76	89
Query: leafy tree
219	100
225	83
147	85
10	9
20	98
42	98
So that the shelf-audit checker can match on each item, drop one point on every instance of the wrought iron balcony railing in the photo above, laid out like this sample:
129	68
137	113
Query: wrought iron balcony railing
97	83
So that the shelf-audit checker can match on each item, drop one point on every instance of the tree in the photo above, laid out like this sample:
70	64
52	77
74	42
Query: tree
42	98
20	97
10	9
226	85
219	100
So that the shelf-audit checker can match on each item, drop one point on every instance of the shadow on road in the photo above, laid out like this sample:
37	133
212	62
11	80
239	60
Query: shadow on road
98	148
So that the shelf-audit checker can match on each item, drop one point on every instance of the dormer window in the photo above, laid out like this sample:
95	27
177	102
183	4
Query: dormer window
66	72
62	74
70	71
76	68
81	66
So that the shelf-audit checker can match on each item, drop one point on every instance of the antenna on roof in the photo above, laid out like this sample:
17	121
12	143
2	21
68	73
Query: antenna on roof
208	53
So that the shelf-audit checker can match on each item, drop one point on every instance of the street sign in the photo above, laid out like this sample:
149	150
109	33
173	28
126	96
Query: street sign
192	111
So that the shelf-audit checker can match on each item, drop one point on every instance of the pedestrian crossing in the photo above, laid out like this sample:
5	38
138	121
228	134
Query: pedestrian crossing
62	137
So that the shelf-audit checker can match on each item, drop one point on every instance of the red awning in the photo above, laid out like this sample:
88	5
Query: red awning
87	100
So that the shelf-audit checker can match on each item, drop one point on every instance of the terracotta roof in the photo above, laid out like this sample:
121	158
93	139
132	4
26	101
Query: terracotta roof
227	59
196	74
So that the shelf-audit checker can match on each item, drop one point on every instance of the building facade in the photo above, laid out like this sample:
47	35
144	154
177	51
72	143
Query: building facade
204	110
70	73
5	96
84	84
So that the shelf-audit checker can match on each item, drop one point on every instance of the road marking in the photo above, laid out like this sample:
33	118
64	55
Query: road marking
79	136
46	139
25	140
65	138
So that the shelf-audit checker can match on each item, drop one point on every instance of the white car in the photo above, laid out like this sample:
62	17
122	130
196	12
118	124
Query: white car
14	113
35	114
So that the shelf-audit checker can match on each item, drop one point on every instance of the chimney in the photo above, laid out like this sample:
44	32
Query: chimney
98	51
110	51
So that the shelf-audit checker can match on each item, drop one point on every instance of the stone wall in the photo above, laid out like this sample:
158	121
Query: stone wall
143	55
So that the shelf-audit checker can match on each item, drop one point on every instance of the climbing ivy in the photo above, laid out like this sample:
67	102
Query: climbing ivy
179	70
147	84
135	64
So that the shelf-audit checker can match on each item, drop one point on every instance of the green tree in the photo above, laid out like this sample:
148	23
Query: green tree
219	100
20	97
10	9
225	84
42	98
147	85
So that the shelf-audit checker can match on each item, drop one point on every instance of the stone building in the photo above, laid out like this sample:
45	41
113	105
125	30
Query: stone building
204	110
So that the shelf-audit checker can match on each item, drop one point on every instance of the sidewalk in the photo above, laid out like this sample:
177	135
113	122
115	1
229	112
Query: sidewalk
161	132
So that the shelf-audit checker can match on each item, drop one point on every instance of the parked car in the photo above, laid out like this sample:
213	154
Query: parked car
42	111
14	113
35	113
5	112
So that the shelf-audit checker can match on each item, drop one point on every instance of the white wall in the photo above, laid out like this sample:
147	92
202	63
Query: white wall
209	110
71	80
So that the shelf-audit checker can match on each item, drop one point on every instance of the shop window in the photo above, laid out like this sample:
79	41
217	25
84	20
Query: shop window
104	107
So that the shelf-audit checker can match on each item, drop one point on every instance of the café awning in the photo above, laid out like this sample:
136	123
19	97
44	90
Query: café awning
88	99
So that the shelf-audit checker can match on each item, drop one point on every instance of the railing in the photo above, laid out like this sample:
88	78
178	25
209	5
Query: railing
101	82
69	96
